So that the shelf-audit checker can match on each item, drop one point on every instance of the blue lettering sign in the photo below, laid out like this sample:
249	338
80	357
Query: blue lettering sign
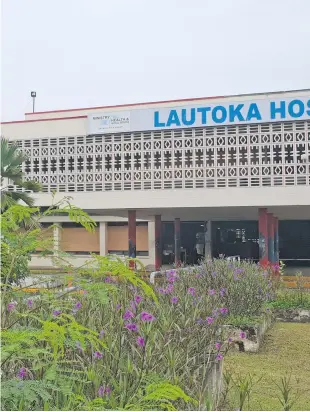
192	119
235	112
275	110
296	108
253	112
173	119
222	116
157	122
203	111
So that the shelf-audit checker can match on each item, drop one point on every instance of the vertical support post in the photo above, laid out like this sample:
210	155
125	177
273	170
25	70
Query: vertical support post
158	244
208	239
177	242
270	238
132	237
276	241
56	237
263	236
103	238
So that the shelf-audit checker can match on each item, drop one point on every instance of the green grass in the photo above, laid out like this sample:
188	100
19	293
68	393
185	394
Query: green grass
291	299
286	349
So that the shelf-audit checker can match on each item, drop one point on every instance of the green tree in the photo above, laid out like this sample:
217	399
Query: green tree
11	173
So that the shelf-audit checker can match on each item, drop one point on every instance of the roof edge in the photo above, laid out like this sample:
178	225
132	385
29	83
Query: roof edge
164	101
45	119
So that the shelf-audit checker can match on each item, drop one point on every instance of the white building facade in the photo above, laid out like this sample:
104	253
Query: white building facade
194	160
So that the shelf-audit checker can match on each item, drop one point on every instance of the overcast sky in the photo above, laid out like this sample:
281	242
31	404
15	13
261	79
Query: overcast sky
80	53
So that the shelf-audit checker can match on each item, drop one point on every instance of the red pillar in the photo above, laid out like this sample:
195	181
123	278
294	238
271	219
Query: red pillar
263	236
158	245
276	241
177	242
132	237
271	238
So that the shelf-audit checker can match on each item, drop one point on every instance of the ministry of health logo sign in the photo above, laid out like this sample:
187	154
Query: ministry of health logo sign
109	122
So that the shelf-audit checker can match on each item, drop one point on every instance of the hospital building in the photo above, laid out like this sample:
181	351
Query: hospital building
172	181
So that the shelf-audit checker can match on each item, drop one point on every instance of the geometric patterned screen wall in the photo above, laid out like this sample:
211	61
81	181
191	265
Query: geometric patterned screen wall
252	155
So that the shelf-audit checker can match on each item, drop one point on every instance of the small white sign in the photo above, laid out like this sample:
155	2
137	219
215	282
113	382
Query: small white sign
108	122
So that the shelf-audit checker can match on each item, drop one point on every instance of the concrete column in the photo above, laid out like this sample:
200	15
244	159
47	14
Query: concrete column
158	242
263	236
103	238
270	238
151	242
276	240
208	239
56	237
132	237
177	242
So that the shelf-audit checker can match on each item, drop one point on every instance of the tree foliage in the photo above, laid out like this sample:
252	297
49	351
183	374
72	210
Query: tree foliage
11	173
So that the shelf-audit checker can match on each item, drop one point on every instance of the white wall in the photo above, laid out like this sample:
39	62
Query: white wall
115	201
44	128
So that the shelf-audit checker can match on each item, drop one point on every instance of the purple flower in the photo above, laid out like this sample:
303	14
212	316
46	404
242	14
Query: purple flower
242	335
210	320
29	303
128	315
218	345
56	313
171	280
11	306
147	317
97	355
118	306
224	311
78	346
171	272
101	334
223	291
140	341
131	326
219	357
169	289
133	305
101	391
22	373
104	390
174	299
230	340
138	299
215	312
76	308
212	292
191	291
214	274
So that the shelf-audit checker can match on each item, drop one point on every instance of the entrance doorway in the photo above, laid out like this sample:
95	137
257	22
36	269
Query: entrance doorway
192	242
235	239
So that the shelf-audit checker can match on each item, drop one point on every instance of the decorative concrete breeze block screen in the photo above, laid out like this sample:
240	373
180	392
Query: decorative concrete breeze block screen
211	157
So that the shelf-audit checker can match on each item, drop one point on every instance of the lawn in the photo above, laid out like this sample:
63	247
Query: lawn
286	350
